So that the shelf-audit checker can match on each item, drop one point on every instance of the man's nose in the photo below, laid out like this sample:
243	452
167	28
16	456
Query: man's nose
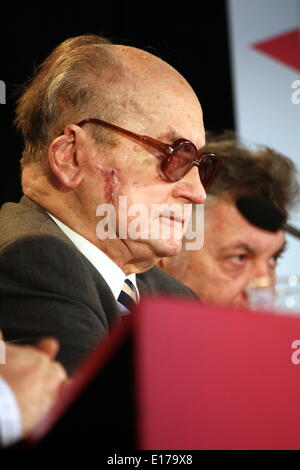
262	269
261	275
190	187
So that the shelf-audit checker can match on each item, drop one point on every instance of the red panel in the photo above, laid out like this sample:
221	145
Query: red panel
213	378
285	48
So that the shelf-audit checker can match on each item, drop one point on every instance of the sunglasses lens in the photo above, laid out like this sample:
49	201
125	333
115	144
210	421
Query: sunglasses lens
208	169
180	163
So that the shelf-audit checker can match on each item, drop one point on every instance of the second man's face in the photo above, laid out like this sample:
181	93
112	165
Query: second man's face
234	254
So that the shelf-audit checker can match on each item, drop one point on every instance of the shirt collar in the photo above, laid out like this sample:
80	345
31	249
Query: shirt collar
109	270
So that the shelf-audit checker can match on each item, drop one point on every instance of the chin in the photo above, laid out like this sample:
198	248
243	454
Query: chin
165	248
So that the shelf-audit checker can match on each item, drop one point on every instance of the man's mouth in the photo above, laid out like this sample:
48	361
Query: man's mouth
173	218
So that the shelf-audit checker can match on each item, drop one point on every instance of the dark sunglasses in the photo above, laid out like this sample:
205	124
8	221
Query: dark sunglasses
179	159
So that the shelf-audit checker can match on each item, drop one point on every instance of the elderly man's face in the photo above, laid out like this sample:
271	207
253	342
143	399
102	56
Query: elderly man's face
234	253
130	173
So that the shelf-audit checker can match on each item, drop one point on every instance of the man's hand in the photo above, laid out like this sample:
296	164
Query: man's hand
34	377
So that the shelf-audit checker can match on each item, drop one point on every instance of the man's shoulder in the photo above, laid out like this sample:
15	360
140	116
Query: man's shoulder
158	281
26	219
27	232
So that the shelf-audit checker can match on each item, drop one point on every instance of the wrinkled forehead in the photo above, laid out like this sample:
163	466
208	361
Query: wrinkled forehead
158	99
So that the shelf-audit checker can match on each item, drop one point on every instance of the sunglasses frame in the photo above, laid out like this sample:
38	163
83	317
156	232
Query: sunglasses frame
169	150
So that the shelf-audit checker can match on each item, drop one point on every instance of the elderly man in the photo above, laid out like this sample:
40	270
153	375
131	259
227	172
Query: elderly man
235	252
105	129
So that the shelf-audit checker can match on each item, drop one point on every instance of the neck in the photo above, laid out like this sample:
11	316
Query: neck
129	255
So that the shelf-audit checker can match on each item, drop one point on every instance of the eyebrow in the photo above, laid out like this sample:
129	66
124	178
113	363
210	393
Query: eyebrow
172	135
248	249
239	246
281	250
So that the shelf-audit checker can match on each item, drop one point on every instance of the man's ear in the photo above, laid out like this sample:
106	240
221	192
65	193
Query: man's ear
62	157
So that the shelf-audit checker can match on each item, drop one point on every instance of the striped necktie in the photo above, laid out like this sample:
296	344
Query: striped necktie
128	297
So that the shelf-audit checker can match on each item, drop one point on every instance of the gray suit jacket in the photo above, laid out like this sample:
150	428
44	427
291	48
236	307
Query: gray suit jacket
48	288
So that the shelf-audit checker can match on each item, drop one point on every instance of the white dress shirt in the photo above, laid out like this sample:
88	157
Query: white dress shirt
10	417
109	270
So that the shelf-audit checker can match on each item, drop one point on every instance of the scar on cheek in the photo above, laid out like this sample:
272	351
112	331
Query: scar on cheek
111	183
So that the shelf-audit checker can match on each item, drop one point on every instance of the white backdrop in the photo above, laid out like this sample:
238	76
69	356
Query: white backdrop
262	85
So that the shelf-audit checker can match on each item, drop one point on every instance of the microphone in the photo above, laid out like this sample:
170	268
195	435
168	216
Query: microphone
265	215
